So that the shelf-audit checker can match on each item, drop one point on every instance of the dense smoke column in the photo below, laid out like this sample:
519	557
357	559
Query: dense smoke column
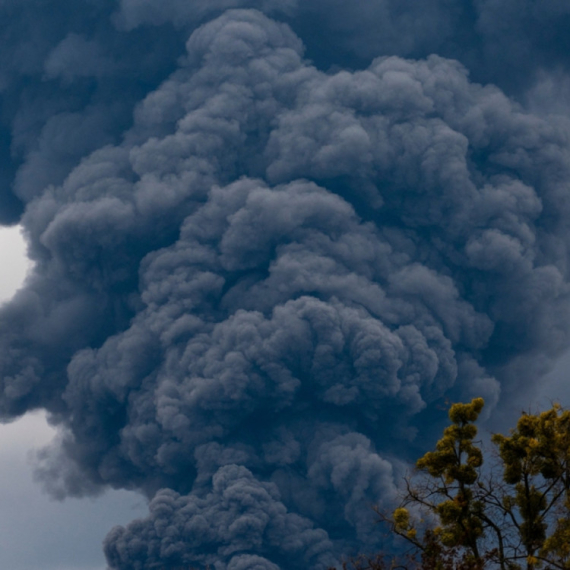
62	66
64	63
508	42
252	294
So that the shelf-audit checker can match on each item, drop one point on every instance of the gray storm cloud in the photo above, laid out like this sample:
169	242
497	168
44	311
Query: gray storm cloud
257	278
64	64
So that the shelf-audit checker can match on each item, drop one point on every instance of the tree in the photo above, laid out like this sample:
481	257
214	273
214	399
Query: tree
511	515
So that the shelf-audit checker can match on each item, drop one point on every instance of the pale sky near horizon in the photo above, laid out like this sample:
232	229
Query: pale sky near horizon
36	532
13	257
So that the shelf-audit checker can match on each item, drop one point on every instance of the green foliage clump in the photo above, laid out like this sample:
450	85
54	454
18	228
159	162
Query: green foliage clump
513	515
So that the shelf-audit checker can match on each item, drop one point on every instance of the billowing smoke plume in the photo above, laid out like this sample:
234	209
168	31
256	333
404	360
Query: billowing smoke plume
258	278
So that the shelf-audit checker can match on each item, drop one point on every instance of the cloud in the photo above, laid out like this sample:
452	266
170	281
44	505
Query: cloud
239	515
29	538
501	41
252	293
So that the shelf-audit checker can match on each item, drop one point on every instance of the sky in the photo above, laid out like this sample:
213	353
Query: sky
37	531
268	240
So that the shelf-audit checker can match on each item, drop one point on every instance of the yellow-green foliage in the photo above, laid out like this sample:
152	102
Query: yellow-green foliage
455	457
536	460
457	460
513	515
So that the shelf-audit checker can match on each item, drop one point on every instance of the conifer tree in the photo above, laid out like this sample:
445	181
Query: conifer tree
513	514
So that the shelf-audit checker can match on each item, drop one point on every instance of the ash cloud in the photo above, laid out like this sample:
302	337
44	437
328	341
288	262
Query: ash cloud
257	281
501	41
64	63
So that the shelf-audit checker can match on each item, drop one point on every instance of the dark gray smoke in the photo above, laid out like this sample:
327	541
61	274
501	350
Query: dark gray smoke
72	71
257	279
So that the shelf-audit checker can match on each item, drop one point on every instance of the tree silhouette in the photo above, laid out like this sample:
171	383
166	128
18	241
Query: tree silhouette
512	514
